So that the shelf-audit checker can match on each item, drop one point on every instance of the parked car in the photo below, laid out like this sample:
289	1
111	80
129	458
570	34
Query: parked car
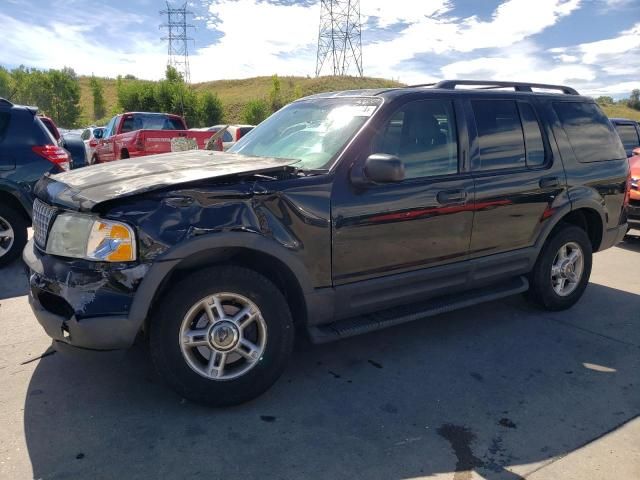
69	140
341	214
232	134
629	132
634	194
90	136
27	151
138	134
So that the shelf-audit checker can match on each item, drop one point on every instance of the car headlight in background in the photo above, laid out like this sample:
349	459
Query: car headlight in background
81	236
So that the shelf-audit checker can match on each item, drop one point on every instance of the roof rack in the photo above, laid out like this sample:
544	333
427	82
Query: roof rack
5	102
490	85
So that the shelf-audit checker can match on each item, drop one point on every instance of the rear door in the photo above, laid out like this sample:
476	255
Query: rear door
517	176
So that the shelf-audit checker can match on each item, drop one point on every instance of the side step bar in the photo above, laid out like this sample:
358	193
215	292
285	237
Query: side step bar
407	313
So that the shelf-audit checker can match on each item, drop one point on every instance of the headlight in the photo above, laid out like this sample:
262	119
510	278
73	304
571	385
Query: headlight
81	236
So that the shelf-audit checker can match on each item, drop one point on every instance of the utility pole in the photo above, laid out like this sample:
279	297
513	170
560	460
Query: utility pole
340	38
178	39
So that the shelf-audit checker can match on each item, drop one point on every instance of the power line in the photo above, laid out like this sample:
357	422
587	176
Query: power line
178	39
340	38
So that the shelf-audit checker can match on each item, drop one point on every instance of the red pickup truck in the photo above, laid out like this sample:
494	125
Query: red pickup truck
136	134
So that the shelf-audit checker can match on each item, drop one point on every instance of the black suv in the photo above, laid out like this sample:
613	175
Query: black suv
342	213
27	151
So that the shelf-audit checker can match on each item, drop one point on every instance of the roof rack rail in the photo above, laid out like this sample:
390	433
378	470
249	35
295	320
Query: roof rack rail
4	101
517	86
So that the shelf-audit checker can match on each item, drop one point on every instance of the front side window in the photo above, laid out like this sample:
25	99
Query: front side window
590	133
312	131
423	135
500	134
629	136
109	128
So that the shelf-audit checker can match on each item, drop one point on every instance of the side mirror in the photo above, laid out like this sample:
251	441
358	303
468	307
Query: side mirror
383	168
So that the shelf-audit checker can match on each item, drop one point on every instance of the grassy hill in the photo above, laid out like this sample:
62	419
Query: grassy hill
621	111
234	94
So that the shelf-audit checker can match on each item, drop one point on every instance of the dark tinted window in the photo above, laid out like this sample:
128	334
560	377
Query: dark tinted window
423	135
142	121
629	136
4	123
242	131
534	144
590	133
499	134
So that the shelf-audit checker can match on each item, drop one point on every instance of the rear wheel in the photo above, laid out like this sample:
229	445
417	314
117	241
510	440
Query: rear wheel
13	234
562	271
222	336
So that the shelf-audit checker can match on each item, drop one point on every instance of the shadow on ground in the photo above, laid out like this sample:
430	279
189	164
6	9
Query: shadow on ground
13	280
631	242
480	389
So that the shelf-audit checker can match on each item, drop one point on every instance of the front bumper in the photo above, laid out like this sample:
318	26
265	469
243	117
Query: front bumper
81	303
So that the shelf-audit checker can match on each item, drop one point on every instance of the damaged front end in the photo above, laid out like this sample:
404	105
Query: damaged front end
99	305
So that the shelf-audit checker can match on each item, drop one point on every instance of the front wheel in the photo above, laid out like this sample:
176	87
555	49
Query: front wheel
561	273
222	336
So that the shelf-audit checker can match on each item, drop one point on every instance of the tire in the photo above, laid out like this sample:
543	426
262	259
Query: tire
124	154
13	223
541	291
181	365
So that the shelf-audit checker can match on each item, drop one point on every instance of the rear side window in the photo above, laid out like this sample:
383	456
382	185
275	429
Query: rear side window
499	133
4	124
242	131
590	133
629	136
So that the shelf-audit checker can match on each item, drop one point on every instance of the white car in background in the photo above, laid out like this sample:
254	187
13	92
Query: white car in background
90	136
232	134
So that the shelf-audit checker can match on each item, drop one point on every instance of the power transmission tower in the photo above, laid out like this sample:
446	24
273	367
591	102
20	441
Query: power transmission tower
178	39
340	37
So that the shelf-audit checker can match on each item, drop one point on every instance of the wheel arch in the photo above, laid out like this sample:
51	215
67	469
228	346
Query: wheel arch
588	217
249	250
10	198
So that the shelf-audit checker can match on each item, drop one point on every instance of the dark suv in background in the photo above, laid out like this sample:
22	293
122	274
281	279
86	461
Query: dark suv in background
342	213
27	151
629	132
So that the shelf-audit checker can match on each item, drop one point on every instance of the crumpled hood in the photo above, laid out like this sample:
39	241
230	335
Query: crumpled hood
84	188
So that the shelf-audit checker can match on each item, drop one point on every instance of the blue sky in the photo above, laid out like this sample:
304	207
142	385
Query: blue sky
593	45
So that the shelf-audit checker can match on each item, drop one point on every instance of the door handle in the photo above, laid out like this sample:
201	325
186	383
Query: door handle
451	196
549	182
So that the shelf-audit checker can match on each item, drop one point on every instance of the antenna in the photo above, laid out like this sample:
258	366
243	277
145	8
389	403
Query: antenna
178	39
340	37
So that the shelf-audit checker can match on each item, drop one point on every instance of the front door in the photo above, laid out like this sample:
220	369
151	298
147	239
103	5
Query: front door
424	221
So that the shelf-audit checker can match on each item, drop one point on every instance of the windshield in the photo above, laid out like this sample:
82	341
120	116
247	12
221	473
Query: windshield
313	131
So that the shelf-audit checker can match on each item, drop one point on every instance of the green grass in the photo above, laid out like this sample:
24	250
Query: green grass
621	111
235	94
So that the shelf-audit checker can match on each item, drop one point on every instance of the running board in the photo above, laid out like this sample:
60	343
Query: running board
387	318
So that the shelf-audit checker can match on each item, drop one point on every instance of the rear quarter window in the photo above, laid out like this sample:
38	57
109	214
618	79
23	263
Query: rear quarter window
591	135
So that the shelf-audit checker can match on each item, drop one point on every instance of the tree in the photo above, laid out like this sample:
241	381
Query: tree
255	111
5	83
275	96
634	100
211	111
99	107
604	100
65	97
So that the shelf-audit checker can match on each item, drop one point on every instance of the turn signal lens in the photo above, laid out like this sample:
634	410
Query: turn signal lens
111	242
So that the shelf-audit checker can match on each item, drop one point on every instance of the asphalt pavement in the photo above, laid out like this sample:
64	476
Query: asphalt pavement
497	391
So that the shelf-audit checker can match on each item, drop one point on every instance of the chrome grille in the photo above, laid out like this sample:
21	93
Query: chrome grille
42	216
